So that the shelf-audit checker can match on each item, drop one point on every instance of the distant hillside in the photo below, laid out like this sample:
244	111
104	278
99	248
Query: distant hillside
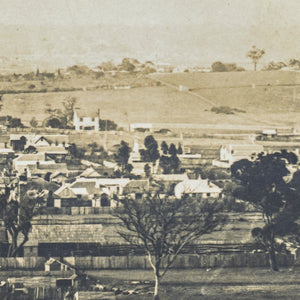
198	80
162	104
256	92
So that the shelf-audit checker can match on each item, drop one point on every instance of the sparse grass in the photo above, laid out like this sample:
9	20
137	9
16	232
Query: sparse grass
266	103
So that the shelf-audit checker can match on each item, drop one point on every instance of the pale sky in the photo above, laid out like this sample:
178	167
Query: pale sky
166	12
220	29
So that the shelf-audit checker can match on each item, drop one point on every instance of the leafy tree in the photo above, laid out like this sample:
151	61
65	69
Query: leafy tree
107	66
75	151
151	153
18	213
129	168
172	150
225	67
127	65
218	67
255	55
147	170
15	123
164	163
263	183
122	155
294	63
54	122
107	125
179	150
274	66
62	118
164	147
163	227
33	122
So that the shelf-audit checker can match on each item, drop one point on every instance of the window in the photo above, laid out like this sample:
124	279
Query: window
93	119
80	127
81	119
208	194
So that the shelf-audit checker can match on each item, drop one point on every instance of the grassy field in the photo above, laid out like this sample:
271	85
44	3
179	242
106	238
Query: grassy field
211	284
197	80
270	103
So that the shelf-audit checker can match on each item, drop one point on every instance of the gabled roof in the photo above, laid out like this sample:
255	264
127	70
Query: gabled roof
51	149
74	233
197	186
243	149
83	113
137	186
57	138
31	157
45	168
102	182
170	177
89	187
65	192
90	173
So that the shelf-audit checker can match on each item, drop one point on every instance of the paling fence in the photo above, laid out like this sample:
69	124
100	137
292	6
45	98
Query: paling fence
184	261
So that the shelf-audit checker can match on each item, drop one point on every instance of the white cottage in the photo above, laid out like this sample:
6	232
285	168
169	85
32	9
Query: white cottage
197	188
85	121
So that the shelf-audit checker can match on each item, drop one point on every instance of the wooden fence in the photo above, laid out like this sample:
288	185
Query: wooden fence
185	261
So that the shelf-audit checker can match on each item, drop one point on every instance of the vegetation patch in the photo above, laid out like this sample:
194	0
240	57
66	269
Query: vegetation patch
226	110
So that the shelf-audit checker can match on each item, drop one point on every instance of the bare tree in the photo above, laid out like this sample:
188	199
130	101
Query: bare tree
255	54
162	227
17	213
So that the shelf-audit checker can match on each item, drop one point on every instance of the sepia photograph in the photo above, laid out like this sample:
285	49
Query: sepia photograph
149	149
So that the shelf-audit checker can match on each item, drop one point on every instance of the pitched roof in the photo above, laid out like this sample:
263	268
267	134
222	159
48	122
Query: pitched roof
243	149
90	173
170	177
89	187
31	157
102	182
45	168
83	113
137	186
51	149
74	233
198	186
57	138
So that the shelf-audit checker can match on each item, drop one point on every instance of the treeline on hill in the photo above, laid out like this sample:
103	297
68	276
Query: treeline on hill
219	66
130	65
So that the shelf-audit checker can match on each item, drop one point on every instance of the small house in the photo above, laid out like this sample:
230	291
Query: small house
202	188
86	121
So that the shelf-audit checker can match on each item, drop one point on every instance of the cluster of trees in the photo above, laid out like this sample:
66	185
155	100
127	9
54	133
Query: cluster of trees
218	66
255	54
162	227
268	184
169	161
62	118
128	65
292	63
